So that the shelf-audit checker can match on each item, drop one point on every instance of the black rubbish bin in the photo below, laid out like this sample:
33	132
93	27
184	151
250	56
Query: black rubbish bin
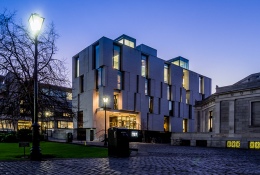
118	142
69	137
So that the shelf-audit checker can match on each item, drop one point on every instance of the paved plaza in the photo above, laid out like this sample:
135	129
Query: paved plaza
150	159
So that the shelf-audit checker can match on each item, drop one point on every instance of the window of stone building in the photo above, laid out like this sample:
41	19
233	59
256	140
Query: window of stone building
144	66
65	124
166	73
171	108
96	56
166	123
146	88
99	77
168	92
116	98
119	80
150	103
201	88
210	120
77	67
116	57
185	125
81	83
80	119
255	113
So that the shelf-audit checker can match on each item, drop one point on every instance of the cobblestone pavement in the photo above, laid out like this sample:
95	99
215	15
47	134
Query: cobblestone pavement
150	159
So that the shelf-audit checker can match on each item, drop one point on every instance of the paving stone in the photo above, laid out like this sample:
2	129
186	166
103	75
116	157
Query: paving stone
150	159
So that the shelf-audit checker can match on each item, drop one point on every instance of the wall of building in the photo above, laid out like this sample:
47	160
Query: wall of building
132	97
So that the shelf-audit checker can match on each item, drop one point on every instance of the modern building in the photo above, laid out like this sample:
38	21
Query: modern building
228	118
144	92
55	107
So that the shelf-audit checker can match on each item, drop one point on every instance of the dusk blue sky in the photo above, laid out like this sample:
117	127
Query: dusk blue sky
221	38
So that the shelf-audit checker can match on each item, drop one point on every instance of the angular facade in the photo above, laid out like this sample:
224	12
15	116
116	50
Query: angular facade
144	92
228	118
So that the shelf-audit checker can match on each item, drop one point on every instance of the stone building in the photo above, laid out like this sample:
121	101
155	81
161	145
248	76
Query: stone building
144	92
228	118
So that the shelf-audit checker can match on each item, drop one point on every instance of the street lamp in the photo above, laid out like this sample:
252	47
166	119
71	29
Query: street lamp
36	22
105	99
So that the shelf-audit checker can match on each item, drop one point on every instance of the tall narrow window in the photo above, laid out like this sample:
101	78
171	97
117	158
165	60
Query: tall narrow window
168	92
97	57
116	57
81	83
150	104
144	66
166	73
170	108
185	125
80	119
147	87
183	81
116	101
201	85
77	67
210	120
99	77
119	80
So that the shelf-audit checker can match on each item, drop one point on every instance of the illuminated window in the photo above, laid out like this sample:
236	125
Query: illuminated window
150	104
116	101
127	42
65	114
144	66
184	125
171	108
65	124
99	77
77	67
116	57
210	120
119	80
147	87
97	57
69	96
166	123
124	120
166	73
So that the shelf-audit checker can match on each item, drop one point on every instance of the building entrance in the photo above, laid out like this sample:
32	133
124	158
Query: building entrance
123	120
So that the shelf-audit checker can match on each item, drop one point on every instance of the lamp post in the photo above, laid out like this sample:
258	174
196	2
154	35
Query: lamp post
47	132
36	22
105	99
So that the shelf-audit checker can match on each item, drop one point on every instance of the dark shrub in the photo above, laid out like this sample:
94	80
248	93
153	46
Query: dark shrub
24	135
9	137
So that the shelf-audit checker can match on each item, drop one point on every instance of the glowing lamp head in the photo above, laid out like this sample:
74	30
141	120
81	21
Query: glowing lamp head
105	99
36	22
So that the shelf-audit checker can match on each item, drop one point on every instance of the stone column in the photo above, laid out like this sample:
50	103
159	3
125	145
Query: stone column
216	118
231	117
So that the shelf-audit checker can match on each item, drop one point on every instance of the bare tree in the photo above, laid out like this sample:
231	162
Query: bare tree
17	60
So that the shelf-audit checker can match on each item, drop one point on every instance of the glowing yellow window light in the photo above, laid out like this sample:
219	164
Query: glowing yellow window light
233	144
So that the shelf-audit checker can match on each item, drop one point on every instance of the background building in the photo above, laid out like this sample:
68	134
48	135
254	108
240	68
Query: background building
55	107
228	118
144	92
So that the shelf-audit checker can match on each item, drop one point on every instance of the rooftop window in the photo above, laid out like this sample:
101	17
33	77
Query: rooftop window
126	40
